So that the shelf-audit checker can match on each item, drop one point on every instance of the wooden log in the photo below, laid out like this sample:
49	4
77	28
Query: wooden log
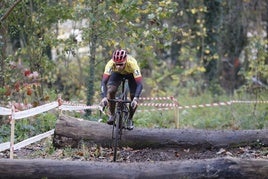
70	131
206	168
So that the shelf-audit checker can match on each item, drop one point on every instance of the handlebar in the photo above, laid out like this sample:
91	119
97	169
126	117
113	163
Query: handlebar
119	100
101	108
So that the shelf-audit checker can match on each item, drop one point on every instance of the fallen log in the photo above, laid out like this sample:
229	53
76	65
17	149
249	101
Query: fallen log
208	168
69	131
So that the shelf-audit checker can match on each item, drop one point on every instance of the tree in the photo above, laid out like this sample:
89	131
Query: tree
31	40
3	37
97	27
177	43
212	24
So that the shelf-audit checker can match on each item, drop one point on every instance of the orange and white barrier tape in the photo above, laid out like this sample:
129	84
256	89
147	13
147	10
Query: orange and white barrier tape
156	98
5	111
67	106
77	107
176	105
70	106
205	105
171	98
158	104
6	145
35	111
155	109
249	102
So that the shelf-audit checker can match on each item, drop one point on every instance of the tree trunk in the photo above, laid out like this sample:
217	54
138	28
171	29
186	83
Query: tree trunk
3	46
70	131
93	37
209	168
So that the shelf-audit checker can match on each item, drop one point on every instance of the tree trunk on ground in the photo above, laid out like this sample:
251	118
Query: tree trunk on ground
70	131
209	168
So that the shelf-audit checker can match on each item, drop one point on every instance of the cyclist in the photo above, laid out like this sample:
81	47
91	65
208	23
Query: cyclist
122	65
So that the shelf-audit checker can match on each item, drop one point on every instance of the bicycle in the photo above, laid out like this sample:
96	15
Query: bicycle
121	115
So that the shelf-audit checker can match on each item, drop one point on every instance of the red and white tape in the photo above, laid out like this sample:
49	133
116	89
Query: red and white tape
176	105
155	109
156	98
158	104
77	107
205	105
35	111
5	111
70	106
249	102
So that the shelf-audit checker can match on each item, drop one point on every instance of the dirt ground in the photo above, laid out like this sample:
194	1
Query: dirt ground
44	150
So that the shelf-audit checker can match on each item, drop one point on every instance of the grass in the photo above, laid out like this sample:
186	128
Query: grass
26	128
234	116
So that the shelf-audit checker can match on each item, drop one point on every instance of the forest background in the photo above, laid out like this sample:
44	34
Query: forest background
197	51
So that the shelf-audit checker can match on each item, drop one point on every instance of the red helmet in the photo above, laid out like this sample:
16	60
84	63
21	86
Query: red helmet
119	56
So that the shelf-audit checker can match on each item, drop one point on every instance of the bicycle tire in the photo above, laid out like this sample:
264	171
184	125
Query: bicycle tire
125	115
120	119
116	133
125	92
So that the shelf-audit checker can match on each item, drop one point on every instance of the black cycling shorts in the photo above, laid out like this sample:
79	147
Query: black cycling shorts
115	79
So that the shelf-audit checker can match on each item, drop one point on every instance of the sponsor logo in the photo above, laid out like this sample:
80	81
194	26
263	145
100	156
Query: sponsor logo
137	72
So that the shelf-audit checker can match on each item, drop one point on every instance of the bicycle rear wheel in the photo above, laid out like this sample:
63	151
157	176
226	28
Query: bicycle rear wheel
116	135
125	116
125	108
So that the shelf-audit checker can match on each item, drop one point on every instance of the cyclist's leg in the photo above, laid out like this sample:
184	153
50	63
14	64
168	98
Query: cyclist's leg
132	88
112	86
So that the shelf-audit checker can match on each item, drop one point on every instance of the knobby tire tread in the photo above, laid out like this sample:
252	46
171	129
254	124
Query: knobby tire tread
116	135
120	119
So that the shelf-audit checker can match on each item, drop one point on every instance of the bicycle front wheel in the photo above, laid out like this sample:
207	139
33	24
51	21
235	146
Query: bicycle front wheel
125	116
116	135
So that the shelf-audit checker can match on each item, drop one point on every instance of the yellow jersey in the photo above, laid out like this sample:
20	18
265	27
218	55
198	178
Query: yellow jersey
131	67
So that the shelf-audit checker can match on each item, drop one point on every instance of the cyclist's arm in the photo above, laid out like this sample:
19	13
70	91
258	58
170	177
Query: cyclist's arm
139	86
138	78
104	81
105	78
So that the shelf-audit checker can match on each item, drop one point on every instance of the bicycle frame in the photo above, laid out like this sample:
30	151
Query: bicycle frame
121	116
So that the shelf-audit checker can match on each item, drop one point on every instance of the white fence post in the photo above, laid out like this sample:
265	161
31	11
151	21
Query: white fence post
12	132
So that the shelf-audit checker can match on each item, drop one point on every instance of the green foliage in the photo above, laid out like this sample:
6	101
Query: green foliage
26	128
45	122
257	59
47	150
159	119
5	133
32	39
176	43
234	116
150	34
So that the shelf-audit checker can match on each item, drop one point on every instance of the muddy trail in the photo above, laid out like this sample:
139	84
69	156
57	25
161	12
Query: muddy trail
45	150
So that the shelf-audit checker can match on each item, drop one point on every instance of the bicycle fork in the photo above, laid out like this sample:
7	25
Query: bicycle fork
120	123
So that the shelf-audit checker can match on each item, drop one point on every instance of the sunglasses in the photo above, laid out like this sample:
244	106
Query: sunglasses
119	64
